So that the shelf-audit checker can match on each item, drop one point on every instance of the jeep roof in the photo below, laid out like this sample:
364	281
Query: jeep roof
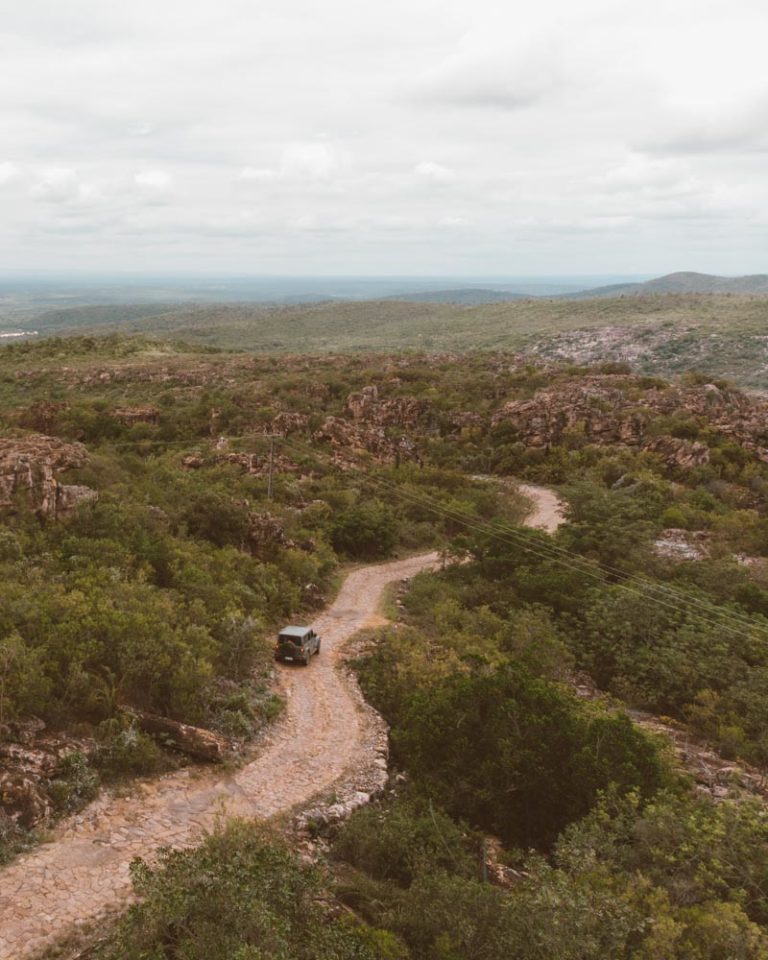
295	631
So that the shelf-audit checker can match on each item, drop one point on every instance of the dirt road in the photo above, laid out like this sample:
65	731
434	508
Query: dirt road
548	510
46	894
83	870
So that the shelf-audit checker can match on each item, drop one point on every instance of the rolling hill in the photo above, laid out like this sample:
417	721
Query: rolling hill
683	282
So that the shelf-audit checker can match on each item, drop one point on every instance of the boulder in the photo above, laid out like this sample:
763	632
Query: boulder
193	741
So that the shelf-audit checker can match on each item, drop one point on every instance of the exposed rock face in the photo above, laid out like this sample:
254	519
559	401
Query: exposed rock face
43	414
22	800
70	496
590	405
266	533
349	439
371	428
285	423
404	412
462	420
146	414
256	464
618	408
675	544
31	463
679	453
28	759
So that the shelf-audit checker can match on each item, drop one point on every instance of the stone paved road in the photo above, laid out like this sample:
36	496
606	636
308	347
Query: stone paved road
83	871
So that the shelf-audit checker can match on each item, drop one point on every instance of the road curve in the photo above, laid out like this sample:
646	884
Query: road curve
83	871
548	509
46	894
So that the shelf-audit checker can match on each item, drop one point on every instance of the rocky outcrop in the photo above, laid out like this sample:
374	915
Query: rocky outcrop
676	544
402	412
42	415
29	759
679	453
621	408
30	465
129	415
255	464
266	534
461	421
22	800
349	440
285	423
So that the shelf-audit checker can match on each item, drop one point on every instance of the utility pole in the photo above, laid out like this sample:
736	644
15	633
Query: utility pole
271	464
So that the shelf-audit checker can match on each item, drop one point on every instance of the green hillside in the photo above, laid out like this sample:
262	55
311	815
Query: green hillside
720	335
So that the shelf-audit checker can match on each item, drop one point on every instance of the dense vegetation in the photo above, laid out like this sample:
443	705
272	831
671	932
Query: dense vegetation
162	596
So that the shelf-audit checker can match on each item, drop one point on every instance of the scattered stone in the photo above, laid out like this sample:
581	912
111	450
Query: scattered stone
676	544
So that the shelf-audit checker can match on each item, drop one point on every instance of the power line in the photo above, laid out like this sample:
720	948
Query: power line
669	597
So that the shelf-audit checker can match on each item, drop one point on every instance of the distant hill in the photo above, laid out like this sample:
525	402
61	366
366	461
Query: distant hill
70	319
466	295
683	282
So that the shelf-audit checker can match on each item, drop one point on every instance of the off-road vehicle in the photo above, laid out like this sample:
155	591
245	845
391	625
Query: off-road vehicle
297	644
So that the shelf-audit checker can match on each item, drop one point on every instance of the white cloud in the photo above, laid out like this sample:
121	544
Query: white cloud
260	174
153	179
434	171
547	138
316	161
8	171
56	185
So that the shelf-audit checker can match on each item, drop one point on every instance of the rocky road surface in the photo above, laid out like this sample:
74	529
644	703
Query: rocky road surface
83	871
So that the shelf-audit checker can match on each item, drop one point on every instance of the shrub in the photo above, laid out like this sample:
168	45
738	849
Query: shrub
242	895
127	752
365	531
73	784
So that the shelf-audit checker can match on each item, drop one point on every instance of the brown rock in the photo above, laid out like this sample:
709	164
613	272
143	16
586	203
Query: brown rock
146	414
23	800
193	741
679	453
30	464
265	533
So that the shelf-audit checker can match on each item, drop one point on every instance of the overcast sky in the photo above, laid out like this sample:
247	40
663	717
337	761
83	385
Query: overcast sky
408	136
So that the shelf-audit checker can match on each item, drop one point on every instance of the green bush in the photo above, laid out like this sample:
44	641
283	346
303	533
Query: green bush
127	752
399	840
365	531
513	754
242	895
73	784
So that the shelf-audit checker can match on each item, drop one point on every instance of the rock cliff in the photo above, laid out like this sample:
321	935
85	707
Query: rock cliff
31	464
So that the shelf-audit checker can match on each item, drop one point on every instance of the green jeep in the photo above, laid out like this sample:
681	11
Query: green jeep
297	644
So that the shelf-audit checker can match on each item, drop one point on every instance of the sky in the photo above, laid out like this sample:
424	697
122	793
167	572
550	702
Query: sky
464	137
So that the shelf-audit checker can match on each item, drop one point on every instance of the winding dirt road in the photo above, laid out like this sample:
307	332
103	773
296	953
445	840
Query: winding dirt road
83	871
46	894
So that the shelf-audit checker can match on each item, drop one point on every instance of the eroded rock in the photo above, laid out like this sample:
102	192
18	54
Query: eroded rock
30	465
